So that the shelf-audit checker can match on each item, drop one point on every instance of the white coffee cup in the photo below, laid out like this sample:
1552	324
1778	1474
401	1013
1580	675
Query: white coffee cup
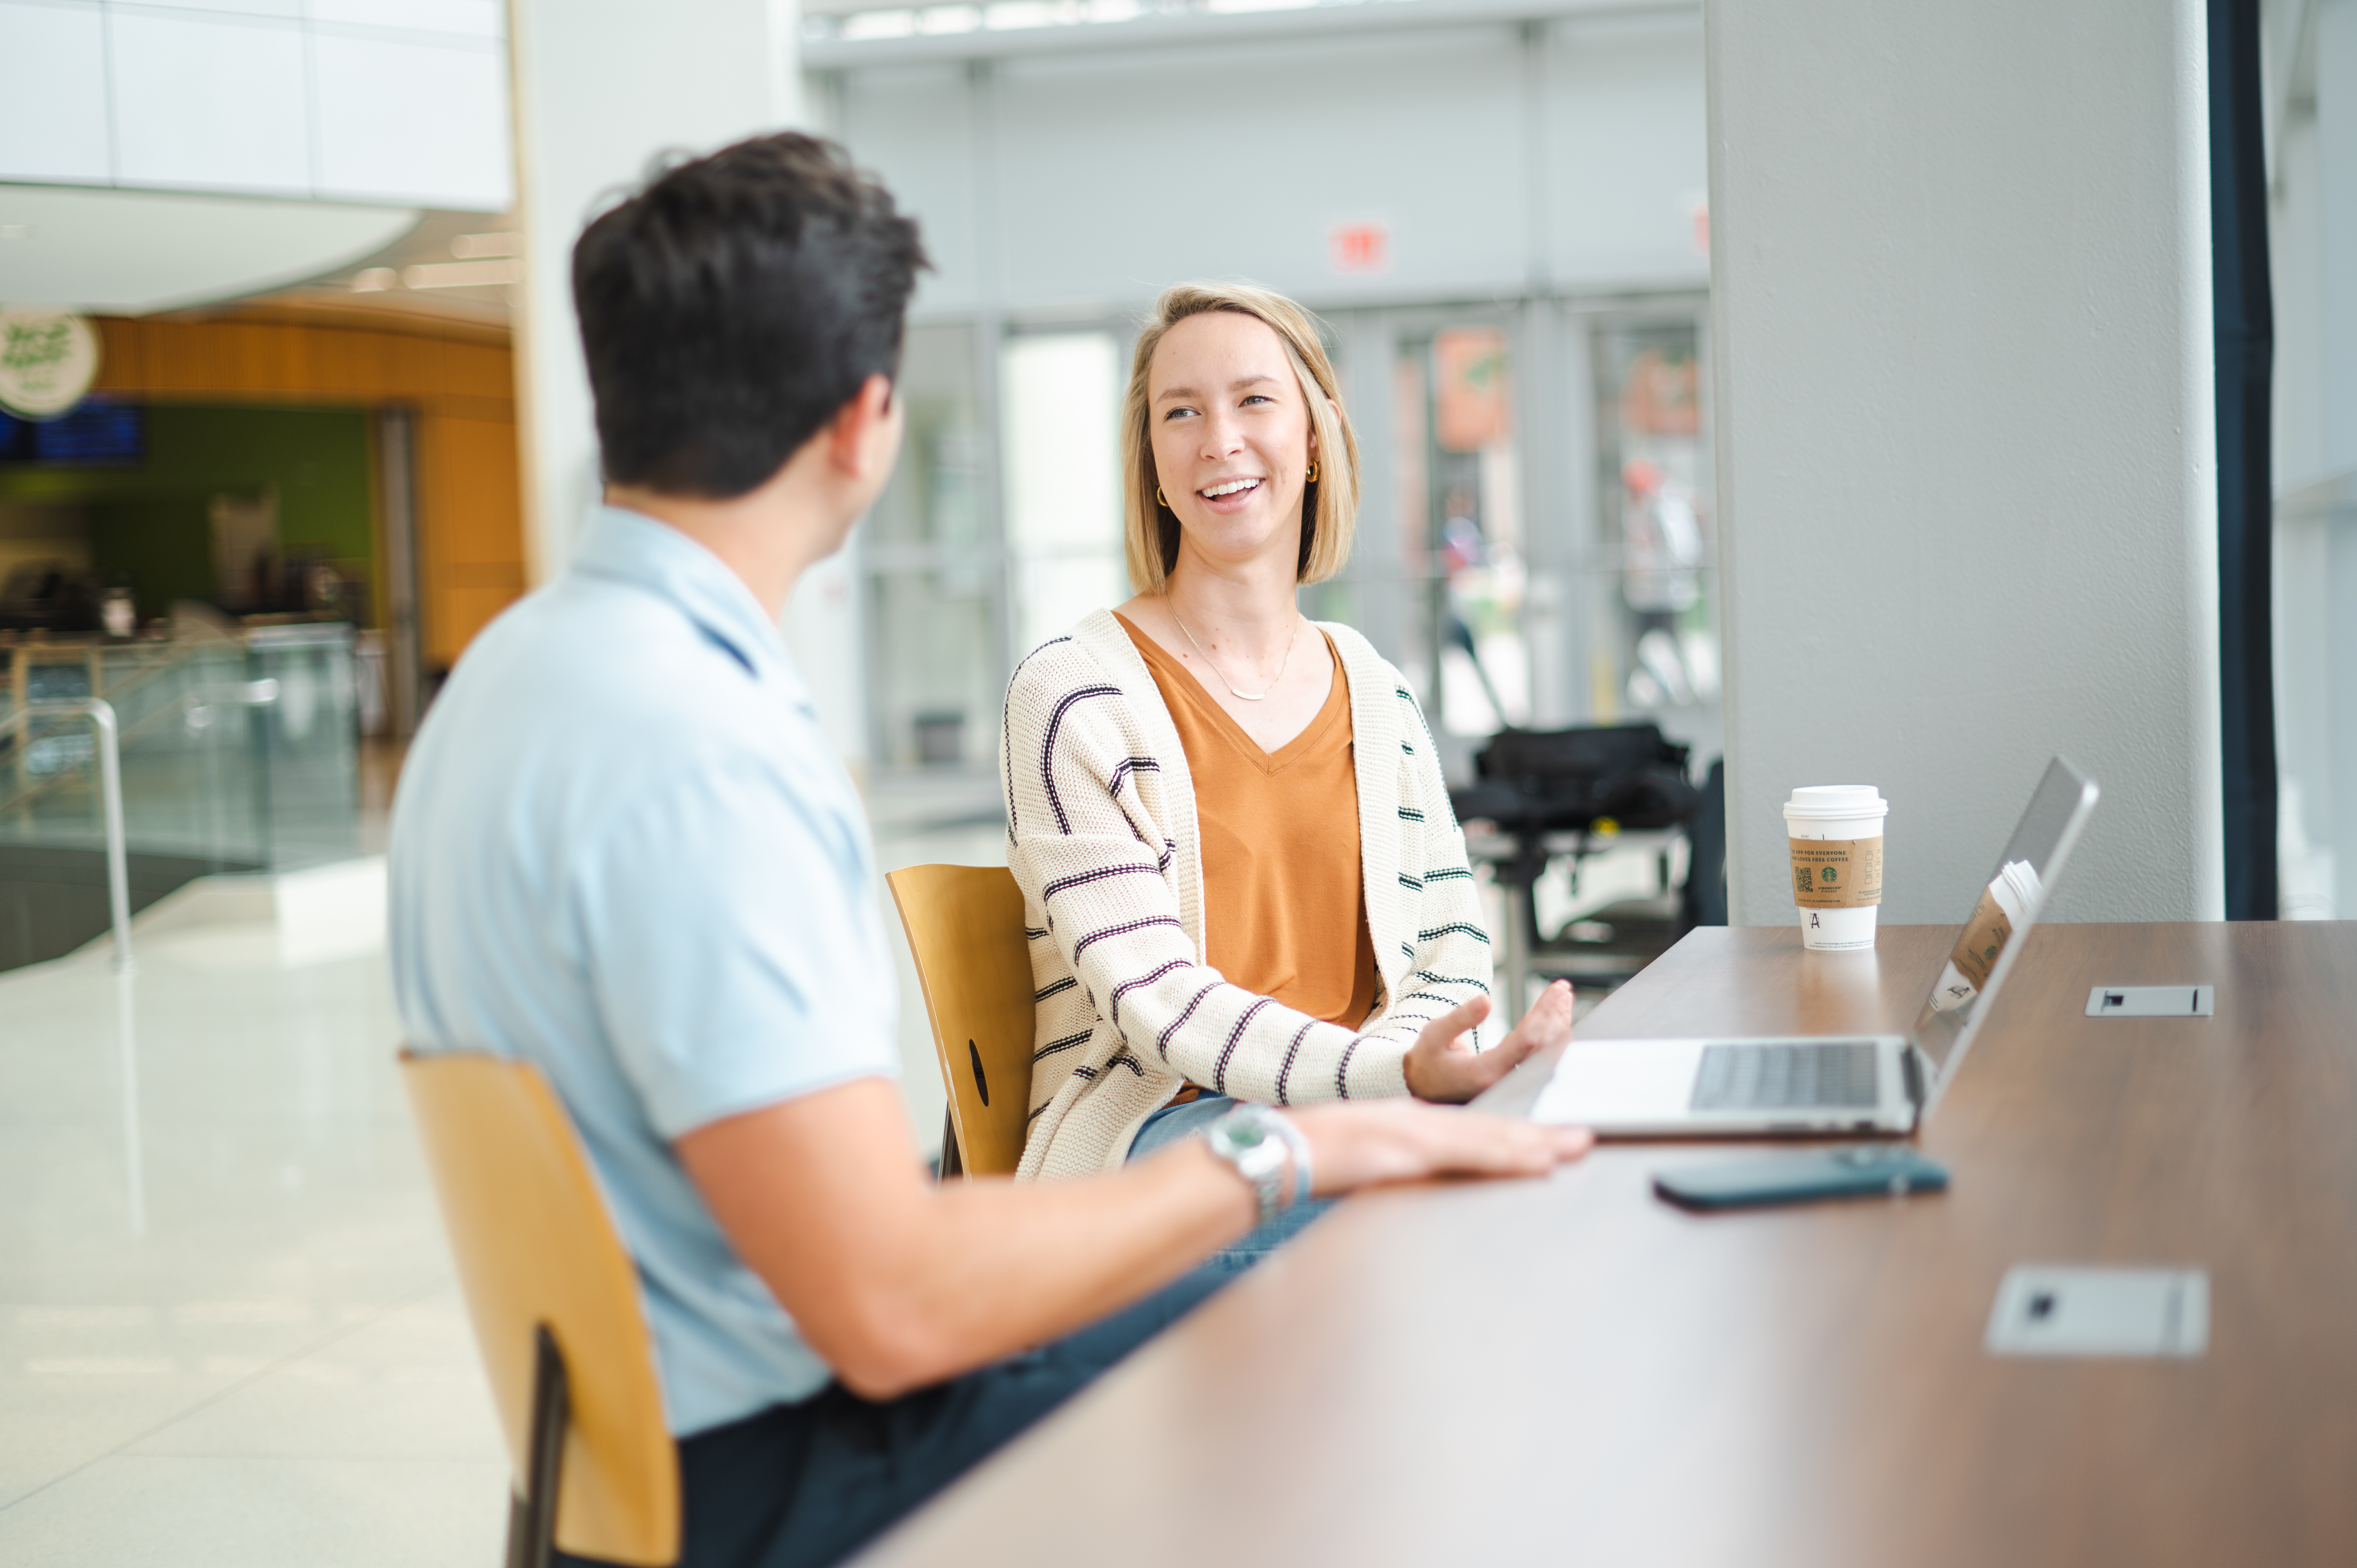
1836	832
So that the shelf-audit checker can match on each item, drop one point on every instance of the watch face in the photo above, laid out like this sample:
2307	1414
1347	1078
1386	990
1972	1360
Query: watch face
1239	1135
1261	1157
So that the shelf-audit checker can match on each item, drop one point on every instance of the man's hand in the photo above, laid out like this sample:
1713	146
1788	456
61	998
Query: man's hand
1366	1143
1443	1065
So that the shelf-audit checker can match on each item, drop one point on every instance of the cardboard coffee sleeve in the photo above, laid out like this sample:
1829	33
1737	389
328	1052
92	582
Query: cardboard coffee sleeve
1836	873
1984	937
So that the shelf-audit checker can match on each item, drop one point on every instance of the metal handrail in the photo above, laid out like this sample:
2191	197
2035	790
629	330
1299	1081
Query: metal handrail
100	714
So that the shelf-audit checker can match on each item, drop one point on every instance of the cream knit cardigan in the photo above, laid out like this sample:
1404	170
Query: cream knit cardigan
1102	837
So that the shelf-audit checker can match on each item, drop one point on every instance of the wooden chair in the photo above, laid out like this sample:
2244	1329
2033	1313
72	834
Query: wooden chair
966	929
554	1301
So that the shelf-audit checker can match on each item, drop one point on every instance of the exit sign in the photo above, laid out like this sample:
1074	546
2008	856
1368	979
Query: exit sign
1363	247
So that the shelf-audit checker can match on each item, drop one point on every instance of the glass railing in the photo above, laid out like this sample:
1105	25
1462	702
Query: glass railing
238	754
306	744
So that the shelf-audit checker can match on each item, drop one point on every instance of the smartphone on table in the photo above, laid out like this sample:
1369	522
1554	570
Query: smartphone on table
1855	1170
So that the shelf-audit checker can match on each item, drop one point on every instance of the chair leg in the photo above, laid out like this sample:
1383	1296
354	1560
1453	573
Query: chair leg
532	1518
951	1163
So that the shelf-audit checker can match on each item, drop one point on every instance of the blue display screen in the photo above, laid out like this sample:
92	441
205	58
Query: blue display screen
92	433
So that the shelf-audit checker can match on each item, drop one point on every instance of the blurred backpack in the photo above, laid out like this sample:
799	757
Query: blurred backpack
1536	781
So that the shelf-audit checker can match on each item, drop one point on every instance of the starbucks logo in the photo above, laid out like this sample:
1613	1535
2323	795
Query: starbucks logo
48	359
1828	874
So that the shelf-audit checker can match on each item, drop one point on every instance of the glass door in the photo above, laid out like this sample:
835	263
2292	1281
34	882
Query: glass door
934	569
1000	528
1658	654
1061	396
1462	526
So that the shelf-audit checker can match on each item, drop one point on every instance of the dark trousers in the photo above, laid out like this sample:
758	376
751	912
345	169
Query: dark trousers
805	1484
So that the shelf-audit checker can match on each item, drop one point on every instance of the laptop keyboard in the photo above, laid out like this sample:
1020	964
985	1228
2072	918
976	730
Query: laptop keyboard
1833	1074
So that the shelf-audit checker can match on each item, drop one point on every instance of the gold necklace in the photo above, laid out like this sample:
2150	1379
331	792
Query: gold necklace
1240	696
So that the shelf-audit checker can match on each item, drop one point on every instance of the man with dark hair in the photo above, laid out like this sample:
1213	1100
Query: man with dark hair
624	851
733	307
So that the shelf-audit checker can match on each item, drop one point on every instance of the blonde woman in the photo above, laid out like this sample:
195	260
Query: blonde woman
1240	876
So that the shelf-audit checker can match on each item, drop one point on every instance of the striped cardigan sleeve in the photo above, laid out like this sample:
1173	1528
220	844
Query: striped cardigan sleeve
1448	939
1093	860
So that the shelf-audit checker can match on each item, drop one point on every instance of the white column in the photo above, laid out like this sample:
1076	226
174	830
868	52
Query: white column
601	87
1966	450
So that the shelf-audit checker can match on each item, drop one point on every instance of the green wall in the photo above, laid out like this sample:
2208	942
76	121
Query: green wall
162	543
150	521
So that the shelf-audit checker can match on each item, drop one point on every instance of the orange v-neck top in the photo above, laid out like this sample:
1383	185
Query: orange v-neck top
1285	912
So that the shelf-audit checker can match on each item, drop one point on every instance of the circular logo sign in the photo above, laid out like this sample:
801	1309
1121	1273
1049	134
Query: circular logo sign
48	359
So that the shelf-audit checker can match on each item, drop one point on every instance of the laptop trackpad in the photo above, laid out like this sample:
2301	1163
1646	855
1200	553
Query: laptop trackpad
1606	1082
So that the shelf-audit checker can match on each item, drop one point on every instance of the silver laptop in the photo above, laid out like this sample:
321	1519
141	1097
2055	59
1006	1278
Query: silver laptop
1875	1084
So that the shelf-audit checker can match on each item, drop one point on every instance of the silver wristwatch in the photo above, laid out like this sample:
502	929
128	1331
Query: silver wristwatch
1261	1143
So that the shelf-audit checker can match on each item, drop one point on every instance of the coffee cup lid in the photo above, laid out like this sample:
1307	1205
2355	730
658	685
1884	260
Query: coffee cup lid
1823	801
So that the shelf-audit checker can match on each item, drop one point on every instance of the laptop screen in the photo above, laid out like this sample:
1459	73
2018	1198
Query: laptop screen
2002	911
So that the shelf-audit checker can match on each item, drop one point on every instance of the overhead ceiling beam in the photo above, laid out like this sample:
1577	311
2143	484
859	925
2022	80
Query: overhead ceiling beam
1197	28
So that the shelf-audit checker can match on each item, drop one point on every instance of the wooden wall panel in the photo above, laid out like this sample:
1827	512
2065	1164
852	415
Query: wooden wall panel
469	526
238	357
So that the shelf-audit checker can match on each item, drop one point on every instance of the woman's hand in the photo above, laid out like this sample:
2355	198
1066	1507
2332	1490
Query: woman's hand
1443	1065
1365	1143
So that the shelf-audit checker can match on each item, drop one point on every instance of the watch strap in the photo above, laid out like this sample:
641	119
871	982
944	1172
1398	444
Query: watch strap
1297	1143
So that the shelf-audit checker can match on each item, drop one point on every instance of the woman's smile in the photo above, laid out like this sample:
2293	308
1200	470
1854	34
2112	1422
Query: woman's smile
1231	495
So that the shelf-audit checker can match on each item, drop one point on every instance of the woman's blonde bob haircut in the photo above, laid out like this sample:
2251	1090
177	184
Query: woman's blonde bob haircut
1329	503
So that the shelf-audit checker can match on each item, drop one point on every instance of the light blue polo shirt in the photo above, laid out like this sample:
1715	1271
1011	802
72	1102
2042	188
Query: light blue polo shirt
622	850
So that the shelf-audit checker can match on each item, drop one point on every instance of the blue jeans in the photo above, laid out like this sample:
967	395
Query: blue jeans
1175	1123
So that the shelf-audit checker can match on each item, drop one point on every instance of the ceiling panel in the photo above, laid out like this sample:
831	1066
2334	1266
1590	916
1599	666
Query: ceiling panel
209	103
53	120
411	122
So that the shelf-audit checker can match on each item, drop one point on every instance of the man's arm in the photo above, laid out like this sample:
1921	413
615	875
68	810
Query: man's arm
898	1282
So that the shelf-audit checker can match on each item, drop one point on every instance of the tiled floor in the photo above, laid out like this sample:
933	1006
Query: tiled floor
229	1328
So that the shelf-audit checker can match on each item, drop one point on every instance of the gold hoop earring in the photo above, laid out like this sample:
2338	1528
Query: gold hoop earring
1311	478
1159	497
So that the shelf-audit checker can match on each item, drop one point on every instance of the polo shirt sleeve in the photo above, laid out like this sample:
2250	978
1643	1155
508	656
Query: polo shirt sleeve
731	928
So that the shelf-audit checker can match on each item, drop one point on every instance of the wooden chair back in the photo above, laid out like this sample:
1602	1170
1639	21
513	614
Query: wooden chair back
536	1249
965	931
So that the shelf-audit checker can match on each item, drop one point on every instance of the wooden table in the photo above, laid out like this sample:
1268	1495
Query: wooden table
1570	1371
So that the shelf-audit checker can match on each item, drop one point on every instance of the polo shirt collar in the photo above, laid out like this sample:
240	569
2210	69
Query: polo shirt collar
632	547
